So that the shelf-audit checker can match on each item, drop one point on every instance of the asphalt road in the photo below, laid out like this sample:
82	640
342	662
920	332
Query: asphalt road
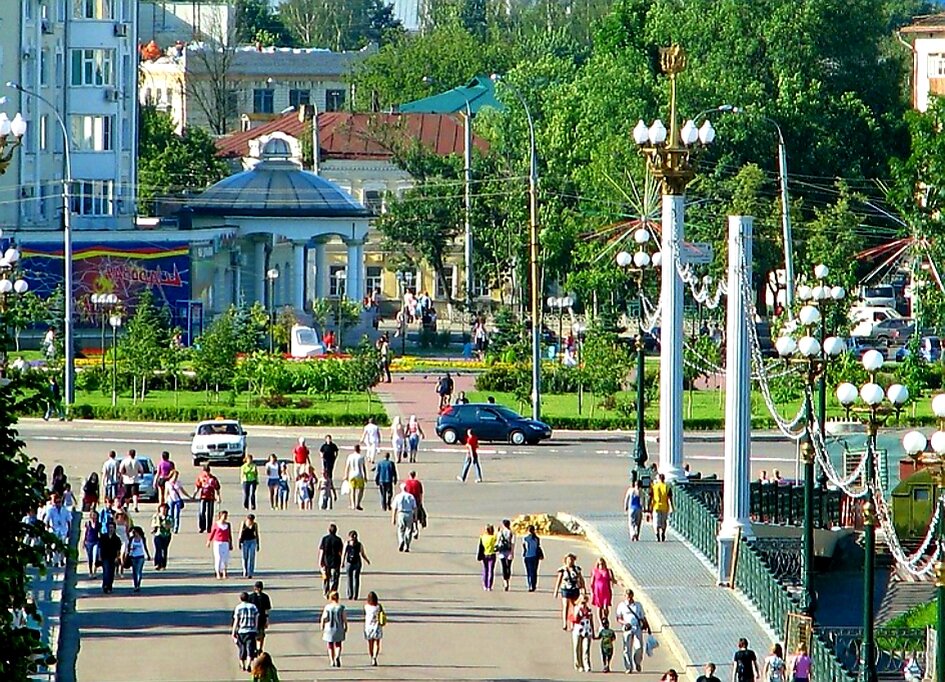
442	625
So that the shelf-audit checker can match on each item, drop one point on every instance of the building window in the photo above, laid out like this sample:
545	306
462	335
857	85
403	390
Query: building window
372	278
60	70
374	201
263	100
232	104
60	10
44	68
936	66
93	67
92	133
93	197
407	279
449	275
28	10
334	100
481	288
299	98
43	131
94	9
337	275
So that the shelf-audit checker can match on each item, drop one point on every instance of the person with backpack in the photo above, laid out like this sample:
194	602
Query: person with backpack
775	669
746	663
444	389
505	550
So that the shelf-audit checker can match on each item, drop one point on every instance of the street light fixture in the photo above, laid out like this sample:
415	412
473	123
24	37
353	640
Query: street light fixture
106	303
639	263
11	136
812	354
114	320
873	413
10	285
535	281
272	274
560	303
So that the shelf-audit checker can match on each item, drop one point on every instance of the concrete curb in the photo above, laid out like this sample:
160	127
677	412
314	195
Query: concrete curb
67	640
656	618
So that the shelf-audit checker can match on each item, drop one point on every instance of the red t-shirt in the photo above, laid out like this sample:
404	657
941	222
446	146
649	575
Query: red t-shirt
207	486
472	443
415	488
301	454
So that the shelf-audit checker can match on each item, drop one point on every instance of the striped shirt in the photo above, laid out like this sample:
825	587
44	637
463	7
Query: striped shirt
245	616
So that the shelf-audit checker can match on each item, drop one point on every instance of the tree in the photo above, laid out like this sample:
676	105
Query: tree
23	310
215	353
918	179
209	77
340	24
257	23
170	164
144	345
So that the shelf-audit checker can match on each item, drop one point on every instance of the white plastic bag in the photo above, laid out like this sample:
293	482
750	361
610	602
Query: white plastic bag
345	487
651	644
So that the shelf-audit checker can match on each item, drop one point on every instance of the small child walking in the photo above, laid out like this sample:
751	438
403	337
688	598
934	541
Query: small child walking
303	493
607	638
326	492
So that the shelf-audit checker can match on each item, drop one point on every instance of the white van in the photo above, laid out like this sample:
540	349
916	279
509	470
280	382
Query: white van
882	295
864	317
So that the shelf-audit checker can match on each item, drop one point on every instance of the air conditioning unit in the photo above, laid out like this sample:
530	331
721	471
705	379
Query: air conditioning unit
112	95
121	30
47	26
27	53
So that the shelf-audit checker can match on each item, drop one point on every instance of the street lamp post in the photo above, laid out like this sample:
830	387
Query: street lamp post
579	331
638	263
533	252
67	246
272	274
105	304
873	415
11	136
668	159
560	303
813	355
340	279
114	320
10	284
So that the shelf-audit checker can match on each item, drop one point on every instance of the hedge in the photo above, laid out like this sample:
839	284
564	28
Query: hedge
247	415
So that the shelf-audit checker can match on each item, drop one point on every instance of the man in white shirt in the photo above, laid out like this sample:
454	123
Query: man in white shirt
59	522
355	475
371	437
110	477
631	618
403	507
131	471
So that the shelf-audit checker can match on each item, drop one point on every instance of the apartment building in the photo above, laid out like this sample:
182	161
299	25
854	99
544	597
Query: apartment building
926	38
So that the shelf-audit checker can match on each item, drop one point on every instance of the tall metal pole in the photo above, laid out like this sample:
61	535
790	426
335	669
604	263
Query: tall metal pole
114	363
940	613
785	221
639	451
467	197
868	657
69	387
807	452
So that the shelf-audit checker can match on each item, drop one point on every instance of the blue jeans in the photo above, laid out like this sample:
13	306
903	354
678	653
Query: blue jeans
471	461
249	557
249	494
137	570
176	508
531	572
161	544
108	574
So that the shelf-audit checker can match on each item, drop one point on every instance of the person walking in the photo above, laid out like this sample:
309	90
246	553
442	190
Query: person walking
413	486
174	494
355	474
138	553
384	350
249	478
221	539
110	477
398	438
54	400
403	510
569	585
444	389
632	619
330	550
472	457
505	549
633	506
249	544
371	438
414	435
207	489
602	580
532	554
58	519
582	632
385	476
745	663
329	453
245	625
90	540
607	638
353	557
163	472
327	495
109	547
162	528
90	492
775	669
301	456
486	554
801	664
374	621
272	479
263	669
263	605
285	485
131	471
334	624
661	504
123	528
708	674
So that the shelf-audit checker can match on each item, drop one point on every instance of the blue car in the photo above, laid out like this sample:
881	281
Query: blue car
489	422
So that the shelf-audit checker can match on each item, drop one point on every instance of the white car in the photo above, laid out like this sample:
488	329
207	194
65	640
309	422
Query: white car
218	440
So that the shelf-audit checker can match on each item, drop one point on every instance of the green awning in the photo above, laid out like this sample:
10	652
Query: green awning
479	92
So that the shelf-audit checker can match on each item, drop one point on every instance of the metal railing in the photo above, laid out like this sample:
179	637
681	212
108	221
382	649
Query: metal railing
692	519
894	646
784	504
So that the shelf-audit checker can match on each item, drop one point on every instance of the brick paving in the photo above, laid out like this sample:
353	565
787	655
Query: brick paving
704	619
415	393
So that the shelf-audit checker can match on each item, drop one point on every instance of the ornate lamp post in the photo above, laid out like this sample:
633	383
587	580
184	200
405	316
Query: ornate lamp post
11	135
668	159
812	355
873	414
272	274
114	320
340	280
638	263
560	303
10	285
105	304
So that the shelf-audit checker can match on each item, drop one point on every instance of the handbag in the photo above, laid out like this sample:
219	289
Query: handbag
345	487
382	617
651	644
541	553
481	553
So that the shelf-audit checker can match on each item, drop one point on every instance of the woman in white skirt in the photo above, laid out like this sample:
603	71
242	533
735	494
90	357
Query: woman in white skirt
221	538
398	439
374	621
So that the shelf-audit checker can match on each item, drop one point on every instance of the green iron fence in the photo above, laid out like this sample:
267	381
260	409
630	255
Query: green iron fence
692	519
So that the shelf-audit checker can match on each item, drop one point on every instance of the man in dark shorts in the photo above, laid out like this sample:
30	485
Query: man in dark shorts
264	605
746	663
330	550
130	470
329	453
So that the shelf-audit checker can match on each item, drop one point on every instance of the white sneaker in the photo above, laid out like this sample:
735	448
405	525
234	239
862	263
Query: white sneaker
460	479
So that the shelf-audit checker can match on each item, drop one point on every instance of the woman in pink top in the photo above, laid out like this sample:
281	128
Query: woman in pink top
602	594
801	665
221	538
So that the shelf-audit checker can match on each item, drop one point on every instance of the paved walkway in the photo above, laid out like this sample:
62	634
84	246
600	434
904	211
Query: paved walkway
415	393
698	619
